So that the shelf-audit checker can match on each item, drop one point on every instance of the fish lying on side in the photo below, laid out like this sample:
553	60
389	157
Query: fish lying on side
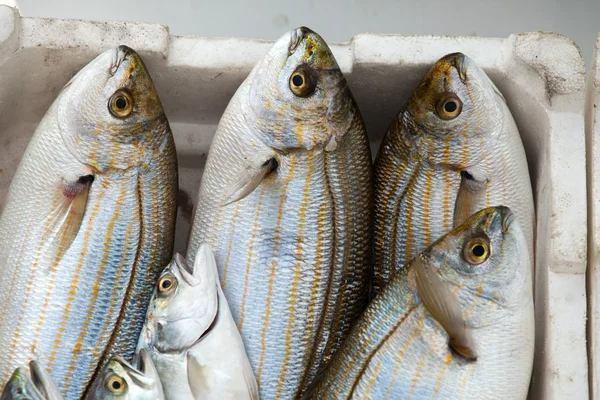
453	150
455	323
285	203
37	385
191	336
89	217
121	380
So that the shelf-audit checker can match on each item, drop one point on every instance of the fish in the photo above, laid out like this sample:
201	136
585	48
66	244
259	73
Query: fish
452	150
121	380
457	322
285	203
191	336
37	385
88	221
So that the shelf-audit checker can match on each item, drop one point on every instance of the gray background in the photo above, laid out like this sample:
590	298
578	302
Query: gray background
338	20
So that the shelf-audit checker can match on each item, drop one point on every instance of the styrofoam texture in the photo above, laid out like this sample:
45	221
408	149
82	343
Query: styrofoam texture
541	75
592	128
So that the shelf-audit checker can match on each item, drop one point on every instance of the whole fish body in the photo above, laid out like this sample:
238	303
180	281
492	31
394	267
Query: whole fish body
294	250
407	344
123	381
436	167
191	336
88	220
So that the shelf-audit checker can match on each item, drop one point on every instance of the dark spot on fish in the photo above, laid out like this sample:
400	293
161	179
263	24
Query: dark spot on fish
467	175
146	124
273	163
85	179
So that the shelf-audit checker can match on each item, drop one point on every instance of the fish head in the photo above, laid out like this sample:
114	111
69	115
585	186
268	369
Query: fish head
185	302
299	97
121	380
21	387
110	116
453	112
486	262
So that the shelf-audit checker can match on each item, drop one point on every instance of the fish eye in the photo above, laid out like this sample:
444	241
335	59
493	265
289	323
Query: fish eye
167	284
120	104
302	81
449	106
116	385
476	251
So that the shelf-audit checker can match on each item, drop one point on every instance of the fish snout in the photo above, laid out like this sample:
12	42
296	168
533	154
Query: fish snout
507	218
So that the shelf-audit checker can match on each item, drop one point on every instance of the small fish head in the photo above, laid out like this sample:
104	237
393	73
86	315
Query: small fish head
121	380
486	260
299	98
185	302
455	106
21	387
110	116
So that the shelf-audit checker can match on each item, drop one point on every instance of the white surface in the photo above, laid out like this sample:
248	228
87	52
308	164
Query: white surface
339	20
541	76
592	128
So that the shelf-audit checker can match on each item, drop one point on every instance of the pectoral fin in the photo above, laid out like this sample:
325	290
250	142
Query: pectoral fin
67	216
196	377
249	180
471	196
444	307
250	381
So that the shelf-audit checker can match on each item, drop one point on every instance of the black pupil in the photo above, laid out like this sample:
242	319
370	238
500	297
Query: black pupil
166	284
121	103
297	80
478	250
450	106
116	385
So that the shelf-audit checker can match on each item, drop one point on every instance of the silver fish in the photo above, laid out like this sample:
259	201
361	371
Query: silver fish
88	219
453	150
38	385
455	323
285	203
191	336
121	380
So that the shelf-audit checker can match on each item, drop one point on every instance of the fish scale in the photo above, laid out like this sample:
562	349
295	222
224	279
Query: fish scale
74	307
294	254
399	349
419	164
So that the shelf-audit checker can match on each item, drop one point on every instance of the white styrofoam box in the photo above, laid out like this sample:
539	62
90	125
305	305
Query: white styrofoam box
592	129
541	75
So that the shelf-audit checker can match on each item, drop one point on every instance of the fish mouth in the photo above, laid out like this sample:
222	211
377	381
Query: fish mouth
507	218
459	61
121	54
296	37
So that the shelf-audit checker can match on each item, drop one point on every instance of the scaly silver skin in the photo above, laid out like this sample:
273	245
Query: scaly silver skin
75	284
294	255
399	350
420	161
192	338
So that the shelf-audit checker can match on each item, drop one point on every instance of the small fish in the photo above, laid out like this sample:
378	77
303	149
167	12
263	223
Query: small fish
89	217
286	205
453	150
121	380
455	323
37	386
191	336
